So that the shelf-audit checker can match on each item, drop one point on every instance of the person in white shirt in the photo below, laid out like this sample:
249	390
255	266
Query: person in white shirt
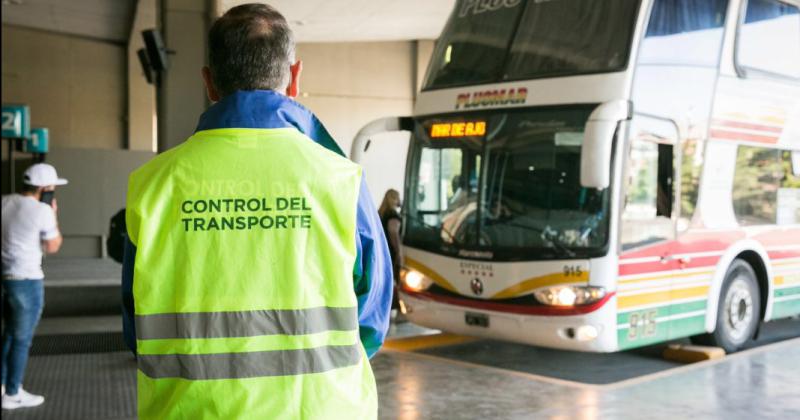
30	227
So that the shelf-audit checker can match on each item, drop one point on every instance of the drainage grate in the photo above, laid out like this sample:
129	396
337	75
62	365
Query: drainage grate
44	345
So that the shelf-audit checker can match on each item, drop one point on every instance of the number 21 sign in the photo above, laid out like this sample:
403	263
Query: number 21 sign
16	121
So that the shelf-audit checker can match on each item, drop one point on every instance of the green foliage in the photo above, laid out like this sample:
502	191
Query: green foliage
691	169
643	190
790	180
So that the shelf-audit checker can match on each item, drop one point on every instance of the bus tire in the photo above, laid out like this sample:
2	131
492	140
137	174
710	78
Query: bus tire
738	312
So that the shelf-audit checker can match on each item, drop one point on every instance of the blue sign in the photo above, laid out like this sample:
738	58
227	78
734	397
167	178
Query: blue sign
16	121
39	141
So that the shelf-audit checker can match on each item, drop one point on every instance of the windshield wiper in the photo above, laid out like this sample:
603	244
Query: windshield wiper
550	236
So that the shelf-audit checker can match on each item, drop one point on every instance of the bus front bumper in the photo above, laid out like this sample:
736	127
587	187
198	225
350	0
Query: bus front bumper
590	332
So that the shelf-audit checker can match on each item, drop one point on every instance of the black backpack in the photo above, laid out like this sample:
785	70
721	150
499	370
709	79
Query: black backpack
117	236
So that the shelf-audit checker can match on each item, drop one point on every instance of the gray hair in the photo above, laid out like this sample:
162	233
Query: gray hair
250	48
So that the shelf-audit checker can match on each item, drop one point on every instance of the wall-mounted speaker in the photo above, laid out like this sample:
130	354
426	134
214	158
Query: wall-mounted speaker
156	51
147	69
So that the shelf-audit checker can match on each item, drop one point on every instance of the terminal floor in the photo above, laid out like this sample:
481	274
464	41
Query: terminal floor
569	366
471	379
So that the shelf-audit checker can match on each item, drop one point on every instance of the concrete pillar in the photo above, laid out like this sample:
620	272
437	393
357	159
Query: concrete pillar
183	97
142	118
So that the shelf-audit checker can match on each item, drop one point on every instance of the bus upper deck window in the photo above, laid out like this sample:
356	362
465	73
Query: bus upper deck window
493	41
766	21
684	32
472	47
572	37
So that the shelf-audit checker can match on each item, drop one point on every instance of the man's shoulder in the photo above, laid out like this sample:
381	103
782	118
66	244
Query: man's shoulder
42	209
19	200
8	202
321	152
159	162
24	206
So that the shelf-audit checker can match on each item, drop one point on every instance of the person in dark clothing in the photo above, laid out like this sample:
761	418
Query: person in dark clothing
390	218
117	235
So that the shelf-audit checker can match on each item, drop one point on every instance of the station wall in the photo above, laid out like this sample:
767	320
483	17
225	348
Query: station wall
75	86
98	184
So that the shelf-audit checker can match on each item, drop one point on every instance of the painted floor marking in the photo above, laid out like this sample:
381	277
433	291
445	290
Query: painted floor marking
426	341
610	386
509	372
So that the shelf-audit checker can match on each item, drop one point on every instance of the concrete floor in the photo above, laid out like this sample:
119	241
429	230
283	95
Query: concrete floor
762	382
757	384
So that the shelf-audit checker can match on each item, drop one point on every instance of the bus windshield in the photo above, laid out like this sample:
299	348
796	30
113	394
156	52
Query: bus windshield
504	185
503	40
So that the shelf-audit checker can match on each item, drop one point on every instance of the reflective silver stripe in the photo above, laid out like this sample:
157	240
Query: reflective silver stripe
249	365
245	323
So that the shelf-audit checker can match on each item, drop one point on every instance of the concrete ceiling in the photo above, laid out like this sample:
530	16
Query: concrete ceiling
108	20
360	20
312	20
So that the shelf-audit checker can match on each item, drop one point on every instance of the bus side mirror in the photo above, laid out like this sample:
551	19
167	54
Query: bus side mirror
382	125
598	139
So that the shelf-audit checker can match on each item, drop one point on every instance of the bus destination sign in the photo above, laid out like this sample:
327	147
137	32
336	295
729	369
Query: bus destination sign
458	129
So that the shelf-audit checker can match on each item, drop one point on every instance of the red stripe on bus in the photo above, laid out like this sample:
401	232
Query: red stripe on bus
733	135
748	126
655	267
513	309
777	256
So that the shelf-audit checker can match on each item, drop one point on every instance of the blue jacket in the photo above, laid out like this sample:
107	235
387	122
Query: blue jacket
372	274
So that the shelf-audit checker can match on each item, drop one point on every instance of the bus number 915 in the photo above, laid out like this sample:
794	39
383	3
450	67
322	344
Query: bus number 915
642	324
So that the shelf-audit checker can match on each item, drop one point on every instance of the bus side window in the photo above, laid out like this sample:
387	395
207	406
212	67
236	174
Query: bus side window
766	189
650	187
789	191
438	169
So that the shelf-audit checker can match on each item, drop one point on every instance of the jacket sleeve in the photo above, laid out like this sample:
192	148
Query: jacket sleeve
128	323
372	274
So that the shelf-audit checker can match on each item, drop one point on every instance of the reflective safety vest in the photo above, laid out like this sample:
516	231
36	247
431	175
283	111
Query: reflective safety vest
243	280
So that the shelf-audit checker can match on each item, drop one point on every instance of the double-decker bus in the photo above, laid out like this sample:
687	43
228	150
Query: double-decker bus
602	175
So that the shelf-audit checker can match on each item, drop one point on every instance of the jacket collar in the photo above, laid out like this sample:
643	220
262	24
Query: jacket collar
265	109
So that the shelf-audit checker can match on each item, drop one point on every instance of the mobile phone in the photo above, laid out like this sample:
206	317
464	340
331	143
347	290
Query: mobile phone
47	197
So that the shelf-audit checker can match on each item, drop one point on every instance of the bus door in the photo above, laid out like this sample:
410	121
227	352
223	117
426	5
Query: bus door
648	229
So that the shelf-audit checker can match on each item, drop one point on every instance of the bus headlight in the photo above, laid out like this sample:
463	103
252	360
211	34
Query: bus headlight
414	280
569	295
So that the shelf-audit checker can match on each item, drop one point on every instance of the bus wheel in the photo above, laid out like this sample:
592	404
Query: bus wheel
739	309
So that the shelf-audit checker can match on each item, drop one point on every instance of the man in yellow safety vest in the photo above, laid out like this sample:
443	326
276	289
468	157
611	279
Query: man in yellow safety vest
256	276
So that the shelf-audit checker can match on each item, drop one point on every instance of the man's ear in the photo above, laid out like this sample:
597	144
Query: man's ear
294	85
211	91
